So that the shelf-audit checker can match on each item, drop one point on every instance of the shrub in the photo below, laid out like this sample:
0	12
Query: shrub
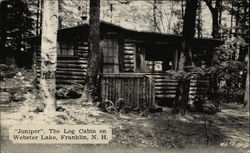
7	71
70	91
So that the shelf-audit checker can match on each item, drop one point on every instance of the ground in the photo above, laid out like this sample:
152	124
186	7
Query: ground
226	131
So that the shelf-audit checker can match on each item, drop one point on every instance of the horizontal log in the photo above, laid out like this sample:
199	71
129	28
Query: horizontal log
83	43
82	51
128	69
83	47
64	77
197	89
68	57
82	54
123	75
162	77
129	61
164	92
71	69
69	75
69	81
129	48
71	66
129	44
165	96
72	62
127	52
198	86
129	57
193	96
75	73
166	88
128	65
165	81
199	81
197	93
166	84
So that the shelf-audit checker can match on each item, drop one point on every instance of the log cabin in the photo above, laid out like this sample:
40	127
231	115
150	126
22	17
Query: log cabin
134	62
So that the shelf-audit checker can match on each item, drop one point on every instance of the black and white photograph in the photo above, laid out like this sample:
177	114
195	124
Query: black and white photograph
124	76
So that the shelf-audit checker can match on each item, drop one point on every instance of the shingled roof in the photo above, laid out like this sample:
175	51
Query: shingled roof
112	29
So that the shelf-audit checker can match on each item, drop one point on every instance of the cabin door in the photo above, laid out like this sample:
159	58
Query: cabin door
110	56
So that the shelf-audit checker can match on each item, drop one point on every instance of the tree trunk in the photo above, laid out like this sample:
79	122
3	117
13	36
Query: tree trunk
215	11
215	22
91	90
188	34
182	94
49	54
199	21
185	58
154	17
246	97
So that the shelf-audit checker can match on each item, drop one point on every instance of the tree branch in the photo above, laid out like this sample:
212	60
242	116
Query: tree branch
209	5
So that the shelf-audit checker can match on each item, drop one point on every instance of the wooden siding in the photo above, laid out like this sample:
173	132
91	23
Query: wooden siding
136	88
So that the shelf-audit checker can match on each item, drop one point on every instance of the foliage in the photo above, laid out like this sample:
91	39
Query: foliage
70	91
240	10
191	72
7	71
228	65
15	24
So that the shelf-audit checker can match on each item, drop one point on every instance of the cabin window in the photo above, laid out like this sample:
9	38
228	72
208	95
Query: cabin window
159	58
110	56
66	49
159	66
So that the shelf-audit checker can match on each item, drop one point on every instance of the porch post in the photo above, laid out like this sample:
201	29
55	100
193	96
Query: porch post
176	59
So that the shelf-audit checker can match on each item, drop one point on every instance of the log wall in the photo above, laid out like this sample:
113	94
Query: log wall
136	88
166	87
70	69
129	56
198	88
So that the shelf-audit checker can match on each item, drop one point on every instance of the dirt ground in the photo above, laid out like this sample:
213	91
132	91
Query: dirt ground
227	131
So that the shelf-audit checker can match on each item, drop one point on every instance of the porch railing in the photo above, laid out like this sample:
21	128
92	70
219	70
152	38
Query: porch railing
137	89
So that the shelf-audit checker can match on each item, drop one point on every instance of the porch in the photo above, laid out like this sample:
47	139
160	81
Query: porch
142	90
